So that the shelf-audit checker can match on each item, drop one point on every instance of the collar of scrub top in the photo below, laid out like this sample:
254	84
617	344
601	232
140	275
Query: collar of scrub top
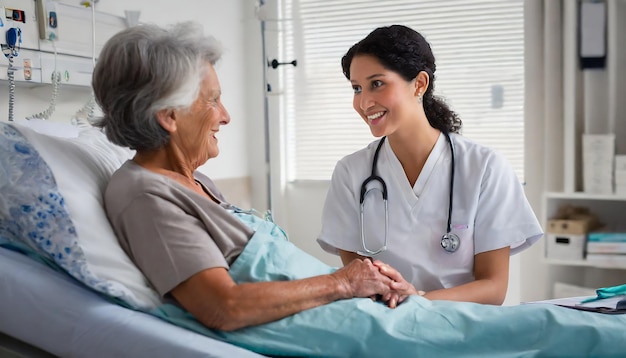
449	242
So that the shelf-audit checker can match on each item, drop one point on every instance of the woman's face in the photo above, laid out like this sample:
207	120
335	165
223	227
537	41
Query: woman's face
382	97
197	127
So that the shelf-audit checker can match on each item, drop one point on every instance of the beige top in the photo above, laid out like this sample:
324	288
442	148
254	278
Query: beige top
169	231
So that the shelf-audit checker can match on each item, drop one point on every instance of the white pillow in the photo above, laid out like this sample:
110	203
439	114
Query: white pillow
82	167
56	129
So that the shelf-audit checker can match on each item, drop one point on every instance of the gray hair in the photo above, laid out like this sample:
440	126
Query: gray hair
145	69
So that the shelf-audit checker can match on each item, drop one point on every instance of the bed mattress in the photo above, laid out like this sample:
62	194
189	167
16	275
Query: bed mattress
49	310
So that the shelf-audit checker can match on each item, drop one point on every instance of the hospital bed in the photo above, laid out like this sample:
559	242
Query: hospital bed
67	289
47	313
48	310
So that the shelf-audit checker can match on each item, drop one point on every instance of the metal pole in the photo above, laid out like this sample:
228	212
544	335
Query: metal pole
266	88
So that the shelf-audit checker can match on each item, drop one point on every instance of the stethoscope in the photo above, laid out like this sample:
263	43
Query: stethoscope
449	242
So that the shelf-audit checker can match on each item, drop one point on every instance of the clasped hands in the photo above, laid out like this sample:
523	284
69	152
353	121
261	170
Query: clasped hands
375	279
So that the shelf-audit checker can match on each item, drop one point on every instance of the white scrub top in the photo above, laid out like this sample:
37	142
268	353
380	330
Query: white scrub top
490	211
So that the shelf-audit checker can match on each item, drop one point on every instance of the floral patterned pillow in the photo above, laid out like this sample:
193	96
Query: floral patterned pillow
35	214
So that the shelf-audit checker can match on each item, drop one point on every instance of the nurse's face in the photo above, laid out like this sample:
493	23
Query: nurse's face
198	126
382	97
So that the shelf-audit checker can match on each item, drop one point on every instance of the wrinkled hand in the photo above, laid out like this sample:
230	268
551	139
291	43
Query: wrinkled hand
360	278
400	288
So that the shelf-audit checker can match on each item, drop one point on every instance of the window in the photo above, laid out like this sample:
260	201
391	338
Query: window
478	47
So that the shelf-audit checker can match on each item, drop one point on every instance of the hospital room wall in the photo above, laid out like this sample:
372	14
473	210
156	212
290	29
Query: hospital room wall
228	21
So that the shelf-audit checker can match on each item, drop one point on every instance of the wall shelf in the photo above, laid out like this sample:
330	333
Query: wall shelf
584	263
584	196
610	209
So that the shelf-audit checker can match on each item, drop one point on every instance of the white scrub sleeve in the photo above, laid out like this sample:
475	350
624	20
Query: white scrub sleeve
340	216
504	216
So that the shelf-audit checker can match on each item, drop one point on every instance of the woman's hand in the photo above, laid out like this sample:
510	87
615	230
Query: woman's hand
360	278
400	288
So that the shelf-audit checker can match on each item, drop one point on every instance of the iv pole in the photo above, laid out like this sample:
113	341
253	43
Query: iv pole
266	114
266	89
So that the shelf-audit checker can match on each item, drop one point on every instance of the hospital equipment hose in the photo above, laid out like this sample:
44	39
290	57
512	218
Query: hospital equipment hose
11	77
56	80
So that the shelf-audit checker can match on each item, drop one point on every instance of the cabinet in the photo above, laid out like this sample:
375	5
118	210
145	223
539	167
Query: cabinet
611	209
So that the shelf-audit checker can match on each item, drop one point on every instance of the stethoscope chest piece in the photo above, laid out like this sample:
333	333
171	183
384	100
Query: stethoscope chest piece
450	242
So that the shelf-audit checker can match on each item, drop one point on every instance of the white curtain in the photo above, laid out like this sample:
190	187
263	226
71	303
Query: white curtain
563	102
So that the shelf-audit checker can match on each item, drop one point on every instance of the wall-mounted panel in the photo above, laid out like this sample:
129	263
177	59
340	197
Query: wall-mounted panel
74	31
49	28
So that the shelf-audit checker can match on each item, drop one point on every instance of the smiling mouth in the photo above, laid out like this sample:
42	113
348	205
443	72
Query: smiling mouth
374	117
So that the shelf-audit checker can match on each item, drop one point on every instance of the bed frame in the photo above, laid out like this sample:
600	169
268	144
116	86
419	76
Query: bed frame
14	348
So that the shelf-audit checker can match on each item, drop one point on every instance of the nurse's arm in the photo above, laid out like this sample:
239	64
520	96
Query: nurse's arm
218	302
347	256
491	279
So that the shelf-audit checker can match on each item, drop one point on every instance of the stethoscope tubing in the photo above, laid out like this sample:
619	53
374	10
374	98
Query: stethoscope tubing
450	242
364	192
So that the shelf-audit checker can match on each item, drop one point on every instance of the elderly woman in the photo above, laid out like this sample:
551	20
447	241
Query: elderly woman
160	96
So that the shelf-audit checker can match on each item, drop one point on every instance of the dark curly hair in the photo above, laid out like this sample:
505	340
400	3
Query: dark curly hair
406	52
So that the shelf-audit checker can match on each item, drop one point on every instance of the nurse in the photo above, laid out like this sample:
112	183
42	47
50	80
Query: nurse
455	210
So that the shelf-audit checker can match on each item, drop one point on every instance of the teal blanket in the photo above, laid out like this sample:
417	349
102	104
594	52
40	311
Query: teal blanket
417	328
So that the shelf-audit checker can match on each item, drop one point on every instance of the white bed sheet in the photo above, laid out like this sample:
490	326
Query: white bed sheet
51	311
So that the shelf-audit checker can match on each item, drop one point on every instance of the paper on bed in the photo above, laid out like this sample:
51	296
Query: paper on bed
418	327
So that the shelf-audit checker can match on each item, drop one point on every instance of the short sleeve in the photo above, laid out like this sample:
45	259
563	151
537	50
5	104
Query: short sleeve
504	216
167	244
340	216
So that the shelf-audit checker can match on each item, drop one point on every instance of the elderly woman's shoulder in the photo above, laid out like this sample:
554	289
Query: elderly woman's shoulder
132	180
